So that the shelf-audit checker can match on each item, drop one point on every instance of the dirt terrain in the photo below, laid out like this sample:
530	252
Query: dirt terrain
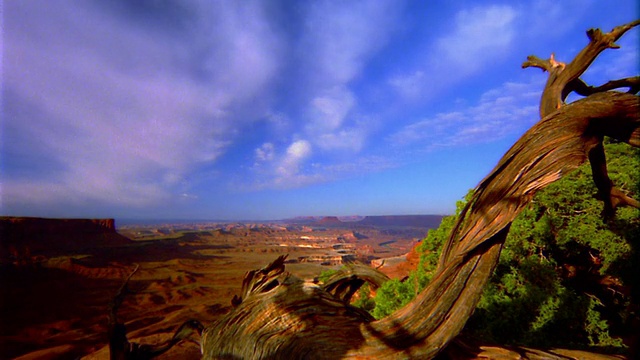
55	294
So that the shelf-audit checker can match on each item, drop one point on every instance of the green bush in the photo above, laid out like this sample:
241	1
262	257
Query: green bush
546	290
394	294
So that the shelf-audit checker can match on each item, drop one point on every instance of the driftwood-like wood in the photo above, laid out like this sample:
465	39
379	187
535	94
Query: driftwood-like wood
280	316
564	78
350	278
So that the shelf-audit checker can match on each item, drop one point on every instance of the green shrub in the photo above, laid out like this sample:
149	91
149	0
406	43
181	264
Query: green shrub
544	291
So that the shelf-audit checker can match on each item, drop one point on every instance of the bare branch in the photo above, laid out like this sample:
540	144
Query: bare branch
560	78
610	196
349	279
581	88
534	61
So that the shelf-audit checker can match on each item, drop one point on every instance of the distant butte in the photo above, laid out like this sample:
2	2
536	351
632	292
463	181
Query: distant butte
418	221
429	221
26	236
329	220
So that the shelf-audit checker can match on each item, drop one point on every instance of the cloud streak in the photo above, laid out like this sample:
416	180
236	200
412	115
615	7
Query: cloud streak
281	170
129	113
478	36
339	39
499	112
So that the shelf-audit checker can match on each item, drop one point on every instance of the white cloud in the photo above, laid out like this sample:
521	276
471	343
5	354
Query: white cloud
266	152
480	34
280	170
296	153
286	171
351	139
340	36
242	50
329	110
298	150
338	40
511	108
410	86
125	110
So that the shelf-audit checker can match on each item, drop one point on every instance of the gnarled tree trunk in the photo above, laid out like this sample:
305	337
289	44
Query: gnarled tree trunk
281	317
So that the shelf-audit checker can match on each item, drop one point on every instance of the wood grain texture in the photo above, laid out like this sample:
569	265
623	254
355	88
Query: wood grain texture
278	316
293	319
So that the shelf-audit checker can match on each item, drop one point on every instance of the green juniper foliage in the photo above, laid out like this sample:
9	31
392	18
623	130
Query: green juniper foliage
326	275
363	298
566	277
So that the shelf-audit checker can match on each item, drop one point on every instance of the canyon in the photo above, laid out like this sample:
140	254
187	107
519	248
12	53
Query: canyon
59	276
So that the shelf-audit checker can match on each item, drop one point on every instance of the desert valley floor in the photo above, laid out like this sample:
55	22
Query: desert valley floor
58	277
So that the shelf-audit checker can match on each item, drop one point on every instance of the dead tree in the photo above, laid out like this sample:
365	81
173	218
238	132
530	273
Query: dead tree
280	316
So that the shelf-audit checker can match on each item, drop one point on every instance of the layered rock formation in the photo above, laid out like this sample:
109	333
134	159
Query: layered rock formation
429	221
27	237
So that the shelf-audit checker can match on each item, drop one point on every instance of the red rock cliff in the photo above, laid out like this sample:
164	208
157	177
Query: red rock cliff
24	236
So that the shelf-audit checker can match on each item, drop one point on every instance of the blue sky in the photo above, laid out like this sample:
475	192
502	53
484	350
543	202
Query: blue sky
272	109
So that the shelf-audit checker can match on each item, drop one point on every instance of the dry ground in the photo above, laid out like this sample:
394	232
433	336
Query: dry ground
58	307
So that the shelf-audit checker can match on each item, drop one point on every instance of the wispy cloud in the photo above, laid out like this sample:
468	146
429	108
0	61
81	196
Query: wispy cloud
292	168
338	41
478	36
339	37
329	110
280	170
499	112
265	153
296	153
481	37
125	110
557	17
